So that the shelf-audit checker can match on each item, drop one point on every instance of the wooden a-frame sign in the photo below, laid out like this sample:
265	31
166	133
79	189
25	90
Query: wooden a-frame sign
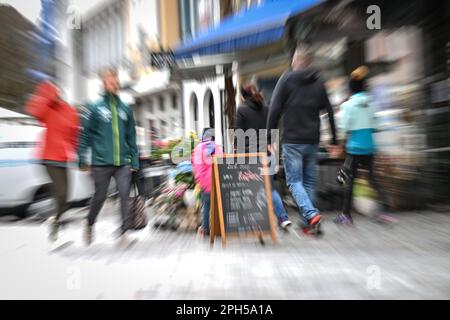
217	219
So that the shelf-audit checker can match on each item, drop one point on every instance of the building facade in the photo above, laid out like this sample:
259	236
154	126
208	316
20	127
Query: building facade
136	37
16	57
205	99
407	57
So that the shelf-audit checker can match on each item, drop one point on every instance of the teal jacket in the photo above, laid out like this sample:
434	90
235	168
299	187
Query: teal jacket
109	131
359	123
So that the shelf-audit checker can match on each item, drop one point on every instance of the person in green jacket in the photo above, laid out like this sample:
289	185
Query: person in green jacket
109	132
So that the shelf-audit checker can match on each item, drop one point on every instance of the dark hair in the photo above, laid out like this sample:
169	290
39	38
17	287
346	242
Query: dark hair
245	94
356	86
208	134
249	91
358	78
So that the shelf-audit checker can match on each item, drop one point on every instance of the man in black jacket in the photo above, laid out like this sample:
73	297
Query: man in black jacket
300	96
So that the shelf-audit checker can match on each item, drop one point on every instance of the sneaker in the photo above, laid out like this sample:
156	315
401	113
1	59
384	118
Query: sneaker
53	231
88	235
202	232
126	241
284	223
314	232
315	220
383	218
308	232
343	219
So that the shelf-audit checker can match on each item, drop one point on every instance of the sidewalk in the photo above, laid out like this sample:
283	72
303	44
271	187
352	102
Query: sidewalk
371	261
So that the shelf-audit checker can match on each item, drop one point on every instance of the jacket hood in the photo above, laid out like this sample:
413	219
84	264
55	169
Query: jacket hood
304	76
360	99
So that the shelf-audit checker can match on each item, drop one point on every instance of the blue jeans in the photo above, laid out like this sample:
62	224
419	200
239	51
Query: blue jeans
278	206
206	205
300	166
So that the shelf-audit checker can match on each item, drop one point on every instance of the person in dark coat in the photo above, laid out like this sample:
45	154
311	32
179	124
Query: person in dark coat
252	115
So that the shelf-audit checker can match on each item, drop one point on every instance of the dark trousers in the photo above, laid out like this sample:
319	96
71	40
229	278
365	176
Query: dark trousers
364	162
58	175
139	180
206	206
102	177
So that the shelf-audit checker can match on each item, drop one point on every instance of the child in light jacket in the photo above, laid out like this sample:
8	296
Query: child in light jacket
202	166
359	124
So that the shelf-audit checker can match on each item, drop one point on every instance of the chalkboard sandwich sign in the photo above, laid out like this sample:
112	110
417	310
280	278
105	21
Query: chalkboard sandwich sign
241	200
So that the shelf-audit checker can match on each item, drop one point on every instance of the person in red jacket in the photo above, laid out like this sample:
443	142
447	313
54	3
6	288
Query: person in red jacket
59	142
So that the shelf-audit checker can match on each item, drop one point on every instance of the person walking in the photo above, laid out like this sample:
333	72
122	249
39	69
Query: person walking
109	131
58	145
359	124
299	97
252	115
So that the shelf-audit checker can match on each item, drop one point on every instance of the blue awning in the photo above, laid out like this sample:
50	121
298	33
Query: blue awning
256	27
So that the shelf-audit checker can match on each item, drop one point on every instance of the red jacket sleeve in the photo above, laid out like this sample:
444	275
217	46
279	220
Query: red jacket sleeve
42	99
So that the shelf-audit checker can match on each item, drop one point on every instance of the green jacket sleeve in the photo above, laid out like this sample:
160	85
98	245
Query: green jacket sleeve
131	140
88	118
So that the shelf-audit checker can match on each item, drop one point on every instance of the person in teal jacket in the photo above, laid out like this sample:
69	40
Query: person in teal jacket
359	123
109	132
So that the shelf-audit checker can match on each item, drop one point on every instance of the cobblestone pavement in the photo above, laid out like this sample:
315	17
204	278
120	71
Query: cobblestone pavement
410	260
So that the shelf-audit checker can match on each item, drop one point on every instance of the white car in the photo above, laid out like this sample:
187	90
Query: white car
24	183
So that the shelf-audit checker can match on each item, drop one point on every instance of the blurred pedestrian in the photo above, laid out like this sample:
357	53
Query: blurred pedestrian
202	166
58	144
252	115
110	133
300	96
359	124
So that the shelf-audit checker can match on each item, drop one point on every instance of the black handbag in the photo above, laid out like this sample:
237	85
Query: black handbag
139	218
344	174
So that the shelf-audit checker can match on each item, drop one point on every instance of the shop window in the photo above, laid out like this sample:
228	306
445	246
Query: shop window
153	130
150	106
161	104
163	129
174	101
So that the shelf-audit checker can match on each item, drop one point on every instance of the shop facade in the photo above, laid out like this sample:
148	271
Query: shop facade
407	56
409	78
